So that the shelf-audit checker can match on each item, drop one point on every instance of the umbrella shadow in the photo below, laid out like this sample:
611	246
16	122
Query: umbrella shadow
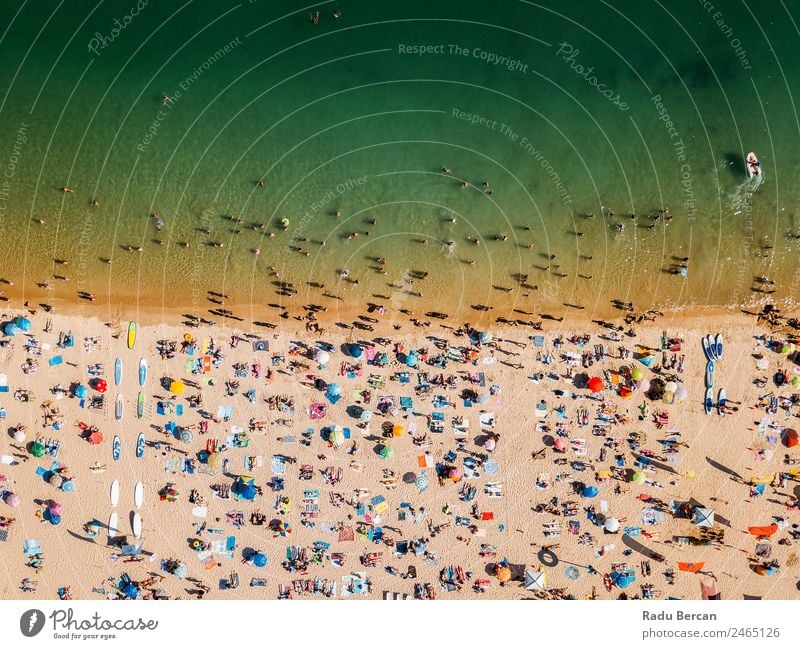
641	549
724	469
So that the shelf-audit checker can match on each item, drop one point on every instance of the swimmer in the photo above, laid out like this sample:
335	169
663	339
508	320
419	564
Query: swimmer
41	221
315	18
453	219
261	183
65	189
256	251
445	170
94	203
336	14
165	99
183	244
372	221
464	184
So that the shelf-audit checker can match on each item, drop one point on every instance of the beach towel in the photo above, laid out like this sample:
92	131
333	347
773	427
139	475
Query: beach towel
56	360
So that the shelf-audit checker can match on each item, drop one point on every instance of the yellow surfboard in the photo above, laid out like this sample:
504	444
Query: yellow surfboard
131	334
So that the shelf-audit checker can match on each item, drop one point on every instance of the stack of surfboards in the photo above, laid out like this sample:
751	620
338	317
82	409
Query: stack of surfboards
713	348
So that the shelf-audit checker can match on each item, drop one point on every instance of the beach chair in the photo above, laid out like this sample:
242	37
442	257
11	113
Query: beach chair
406	403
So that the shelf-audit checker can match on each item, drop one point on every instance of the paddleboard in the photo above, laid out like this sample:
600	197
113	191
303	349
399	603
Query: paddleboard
709	374
131	334
138	495
142	371
118	371
140	405
722	399
119	407
709	348
718	346
136	525
708	405
140	446
116	448
113	523
114	494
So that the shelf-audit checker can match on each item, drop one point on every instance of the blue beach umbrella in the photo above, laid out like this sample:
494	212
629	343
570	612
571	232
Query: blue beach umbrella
10	329
412	360
23	323
590	491
80	391
334	390
259	560
356	351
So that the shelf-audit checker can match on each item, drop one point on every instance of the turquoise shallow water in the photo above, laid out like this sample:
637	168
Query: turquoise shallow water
553	105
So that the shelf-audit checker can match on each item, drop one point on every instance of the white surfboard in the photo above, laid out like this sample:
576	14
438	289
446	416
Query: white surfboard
119	407
138	494
114	495
136	525
113	529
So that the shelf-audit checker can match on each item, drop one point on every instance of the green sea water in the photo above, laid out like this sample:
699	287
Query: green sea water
564	108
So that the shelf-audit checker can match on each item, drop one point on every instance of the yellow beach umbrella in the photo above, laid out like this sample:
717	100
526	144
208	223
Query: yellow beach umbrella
177	387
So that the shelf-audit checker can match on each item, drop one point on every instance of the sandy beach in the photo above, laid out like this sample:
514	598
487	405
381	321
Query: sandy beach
489	453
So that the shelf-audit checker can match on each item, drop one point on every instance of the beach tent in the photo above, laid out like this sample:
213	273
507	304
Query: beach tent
690	567
763	530
534	580
703	517
595	384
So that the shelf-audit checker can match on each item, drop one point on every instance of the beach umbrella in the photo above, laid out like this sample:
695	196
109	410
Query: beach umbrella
366	416
322	357
668	396
589	491
37	449
611	526
334	390
56	480
10	329
680	392
356	351
643	385
386	451
68	486
454	474
708	588
259	560
647	361
560	444
80	391
101	385
534	580
95	437
383	359
11	499
412	360
637	373
177	387
23	323
485	337
180	571
623	581
483	397
214	460
638	478
18	436
398	430
625	392
421	482
503	573
336	436
595	384
54	508
671	386
703	517
490	444
790	437
248	492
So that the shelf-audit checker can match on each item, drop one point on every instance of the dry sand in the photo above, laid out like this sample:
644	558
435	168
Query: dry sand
84	565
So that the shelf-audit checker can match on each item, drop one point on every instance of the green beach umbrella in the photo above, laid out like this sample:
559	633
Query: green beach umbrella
637	373
638	478
37	449
386	452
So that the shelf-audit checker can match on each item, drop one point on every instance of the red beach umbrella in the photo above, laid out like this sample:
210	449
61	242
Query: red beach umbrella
100	385
595	384
95	437
790	437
